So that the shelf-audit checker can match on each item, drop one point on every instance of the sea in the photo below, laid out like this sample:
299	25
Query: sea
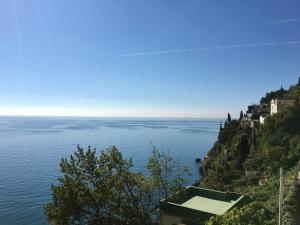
32	147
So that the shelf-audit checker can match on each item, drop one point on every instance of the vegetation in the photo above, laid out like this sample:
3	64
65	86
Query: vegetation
251	214
241	115
272	95
105	190
247	159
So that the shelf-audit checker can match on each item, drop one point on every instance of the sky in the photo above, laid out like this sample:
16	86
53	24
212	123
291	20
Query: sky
141	58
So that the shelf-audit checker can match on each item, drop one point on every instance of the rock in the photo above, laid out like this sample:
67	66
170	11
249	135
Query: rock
198	160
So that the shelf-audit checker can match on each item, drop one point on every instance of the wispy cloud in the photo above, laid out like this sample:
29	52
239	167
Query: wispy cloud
291	20
175	51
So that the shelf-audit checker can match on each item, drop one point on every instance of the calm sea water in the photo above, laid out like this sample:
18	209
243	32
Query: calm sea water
31	149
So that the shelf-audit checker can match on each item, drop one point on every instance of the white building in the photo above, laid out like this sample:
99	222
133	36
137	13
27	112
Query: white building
262	119
279	106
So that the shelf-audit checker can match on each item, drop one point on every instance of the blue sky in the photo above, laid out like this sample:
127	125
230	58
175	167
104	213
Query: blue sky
170	58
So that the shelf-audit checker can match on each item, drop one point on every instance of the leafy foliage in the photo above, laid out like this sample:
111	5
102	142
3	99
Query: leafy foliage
272	95
104	190
291	204
166	174
251	214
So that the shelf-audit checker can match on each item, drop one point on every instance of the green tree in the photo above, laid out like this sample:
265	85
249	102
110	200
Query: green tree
241	115
99	191
251	214
228	117
104	190
166	175
273	95
244	149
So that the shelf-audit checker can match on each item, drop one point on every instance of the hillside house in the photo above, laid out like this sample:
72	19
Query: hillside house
196	205
279	106
251	110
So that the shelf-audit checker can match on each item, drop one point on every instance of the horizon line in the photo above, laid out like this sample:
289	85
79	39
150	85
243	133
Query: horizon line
124	117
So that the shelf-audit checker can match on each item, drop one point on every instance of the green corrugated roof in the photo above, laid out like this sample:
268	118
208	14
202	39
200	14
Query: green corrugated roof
208	205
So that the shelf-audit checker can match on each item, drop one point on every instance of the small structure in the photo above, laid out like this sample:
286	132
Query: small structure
262	119
196	205
279	106
251	110
254	123
255	114
245	120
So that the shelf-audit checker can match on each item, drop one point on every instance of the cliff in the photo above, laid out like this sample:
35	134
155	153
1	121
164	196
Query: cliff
247	155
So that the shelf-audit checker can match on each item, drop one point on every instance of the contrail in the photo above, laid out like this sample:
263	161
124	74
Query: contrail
291	20
174	51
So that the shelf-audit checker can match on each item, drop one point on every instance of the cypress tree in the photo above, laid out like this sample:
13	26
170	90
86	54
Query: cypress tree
254	138
228	118
241	115
299	81
244	148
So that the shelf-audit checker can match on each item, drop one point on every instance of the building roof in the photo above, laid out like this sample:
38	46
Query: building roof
200	204
209	205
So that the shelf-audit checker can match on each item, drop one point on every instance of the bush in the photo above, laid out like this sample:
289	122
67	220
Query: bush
251	214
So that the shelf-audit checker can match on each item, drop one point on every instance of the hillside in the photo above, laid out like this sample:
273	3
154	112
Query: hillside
248	154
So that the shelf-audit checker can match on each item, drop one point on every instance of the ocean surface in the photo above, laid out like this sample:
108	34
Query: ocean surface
31	149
